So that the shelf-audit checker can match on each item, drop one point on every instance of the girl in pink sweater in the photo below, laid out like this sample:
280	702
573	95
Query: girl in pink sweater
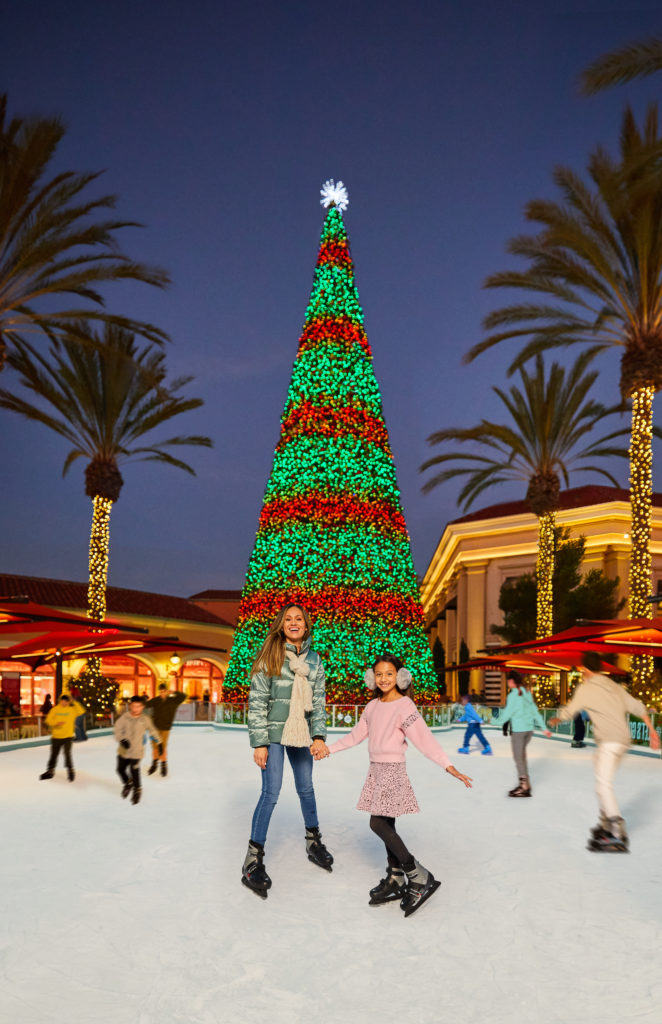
389	720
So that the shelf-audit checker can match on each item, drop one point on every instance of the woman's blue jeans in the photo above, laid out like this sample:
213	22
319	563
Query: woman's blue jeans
272	777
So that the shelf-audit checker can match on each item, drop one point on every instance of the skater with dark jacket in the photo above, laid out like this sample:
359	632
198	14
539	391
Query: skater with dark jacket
130	729
61	720
524	717
163	709
390	720
474	722
286	717
608	706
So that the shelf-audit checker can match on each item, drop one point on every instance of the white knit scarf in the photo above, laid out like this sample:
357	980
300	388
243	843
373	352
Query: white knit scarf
296	732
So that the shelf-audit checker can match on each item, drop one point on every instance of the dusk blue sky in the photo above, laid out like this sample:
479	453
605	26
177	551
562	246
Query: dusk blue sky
216	123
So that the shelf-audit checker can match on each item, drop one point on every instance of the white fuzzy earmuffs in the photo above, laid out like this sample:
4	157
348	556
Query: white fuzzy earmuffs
403	678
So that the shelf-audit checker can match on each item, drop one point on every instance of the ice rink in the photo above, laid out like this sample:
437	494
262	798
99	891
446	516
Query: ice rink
115	914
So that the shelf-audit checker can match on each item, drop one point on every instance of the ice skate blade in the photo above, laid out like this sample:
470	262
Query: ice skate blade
262	893
389	899
318	865
611	848
424	899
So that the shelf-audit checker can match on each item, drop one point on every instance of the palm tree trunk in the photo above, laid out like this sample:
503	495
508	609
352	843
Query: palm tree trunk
99	548
545	574
641	500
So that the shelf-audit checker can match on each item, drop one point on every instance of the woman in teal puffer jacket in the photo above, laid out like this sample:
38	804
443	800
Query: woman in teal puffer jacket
286	715
524	717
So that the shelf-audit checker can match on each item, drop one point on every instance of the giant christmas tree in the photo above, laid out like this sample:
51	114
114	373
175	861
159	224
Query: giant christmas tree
332	535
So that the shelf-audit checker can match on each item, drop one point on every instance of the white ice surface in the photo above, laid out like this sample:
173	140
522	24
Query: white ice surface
115	914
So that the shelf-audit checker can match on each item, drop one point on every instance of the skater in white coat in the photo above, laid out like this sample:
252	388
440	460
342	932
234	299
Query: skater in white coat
607	705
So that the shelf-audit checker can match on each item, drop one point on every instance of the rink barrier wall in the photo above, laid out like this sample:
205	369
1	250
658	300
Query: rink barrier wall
17	733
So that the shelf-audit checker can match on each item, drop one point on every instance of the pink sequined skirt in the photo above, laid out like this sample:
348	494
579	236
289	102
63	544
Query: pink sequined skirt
387	791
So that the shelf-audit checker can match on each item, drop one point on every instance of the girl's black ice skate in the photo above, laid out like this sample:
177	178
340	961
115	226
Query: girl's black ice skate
422	885
126	789
389	889
253	873
317	851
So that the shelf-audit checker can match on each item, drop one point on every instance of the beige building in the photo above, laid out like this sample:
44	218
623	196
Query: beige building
480	551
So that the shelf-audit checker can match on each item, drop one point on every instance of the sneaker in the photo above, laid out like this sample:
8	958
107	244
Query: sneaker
463	750
487	750
577	743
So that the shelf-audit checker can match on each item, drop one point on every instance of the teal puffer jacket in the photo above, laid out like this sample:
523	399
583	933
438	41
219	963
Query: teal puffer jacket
521	712
269	701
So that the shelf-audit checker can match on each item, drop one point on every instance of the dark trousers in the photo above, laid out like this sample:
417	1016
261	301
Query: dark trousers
129	766
56	747
579	727
397	853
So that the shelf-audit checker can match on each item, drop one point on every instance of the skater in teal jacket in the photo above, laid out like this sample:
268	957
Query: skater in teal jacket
286	715
524	717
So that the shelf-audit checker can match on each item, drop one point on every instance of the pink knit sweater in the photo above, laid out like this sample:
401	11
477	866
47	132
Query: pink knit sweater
388	725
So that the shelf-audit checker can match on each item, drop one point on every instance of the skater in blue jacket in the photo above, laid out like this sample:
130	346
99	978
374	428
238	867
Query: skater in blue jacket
474	722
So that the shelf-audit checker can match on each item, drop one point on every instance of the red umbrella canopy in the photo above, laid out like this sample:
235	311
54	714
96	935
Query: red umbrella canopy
20	615
71	643
621	636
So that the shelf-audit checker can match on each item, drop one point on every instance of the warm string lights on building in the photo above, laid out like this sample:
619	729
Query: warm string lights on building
641	493
332	535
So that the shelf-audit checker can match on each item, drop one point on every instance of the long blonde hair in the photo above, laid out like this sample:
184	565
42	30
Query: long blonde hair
271	655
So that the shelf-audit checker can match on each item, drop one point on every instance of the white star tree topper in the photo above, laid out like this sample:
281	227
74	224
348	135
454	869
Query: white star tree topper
334	193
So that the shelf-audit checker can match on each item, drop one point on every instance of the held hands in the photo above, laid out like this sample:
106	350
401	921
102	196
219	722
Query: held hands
553	721
466	779
124	744
548	734
319	750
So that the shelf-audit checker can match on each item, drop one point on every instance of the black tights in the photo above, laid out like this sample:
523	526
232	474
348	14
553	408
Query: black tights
397	853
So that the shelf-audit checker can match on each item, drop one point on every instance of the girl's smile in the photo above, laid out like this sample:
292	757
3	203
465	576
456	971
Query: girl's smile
386	677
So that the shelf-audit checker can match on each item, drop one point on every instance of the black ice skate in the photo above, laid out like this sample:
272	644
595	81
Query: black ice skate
253	873
137	793
71	774
615	840
164	768
422	885
602	828
389	889
523	788
126	789
152	768
316	850
48	774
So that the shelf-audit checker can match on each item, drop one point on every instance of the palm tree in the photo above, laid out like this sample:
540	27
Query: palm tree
636	60
52	242
595	269
549	417
103	397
